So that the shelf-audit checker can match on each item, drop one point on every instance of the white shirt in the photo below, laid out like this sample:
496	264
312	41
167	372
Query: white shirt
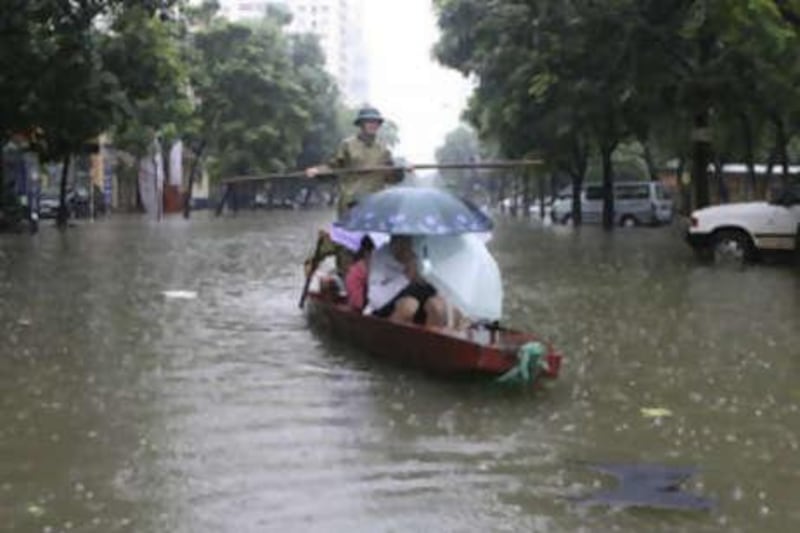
386	277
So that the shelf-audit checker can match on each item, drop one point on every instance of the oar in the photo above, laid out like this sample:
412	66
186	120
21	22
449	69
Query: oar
311	271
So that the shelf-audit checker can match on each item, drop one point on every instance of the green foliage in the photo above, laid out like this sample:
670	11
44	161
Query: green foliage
264	102
563	79
256	99
321	98
53	76
143	53
462	145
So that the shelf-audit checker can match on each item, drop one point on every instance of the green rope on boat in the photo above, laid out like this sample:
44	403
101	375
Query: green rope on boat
529	364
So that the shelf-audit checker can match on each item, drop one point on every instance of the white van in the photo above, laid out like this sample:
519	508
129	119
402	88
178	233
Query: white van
635	203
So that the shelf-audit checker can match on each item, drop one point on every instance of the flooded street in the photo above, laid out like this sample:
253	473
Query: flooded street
122	409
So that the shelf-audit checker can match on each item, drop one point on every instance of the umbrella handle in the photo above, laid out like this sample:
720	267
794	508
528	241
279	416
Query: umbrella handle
311	271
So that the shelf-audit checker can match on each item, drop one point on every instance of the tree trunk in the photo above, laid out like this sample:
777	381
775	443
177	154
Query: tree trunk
526	193
701	157
767	175
722	189
780	147
157	191
648	159
224	199
4	189
501	194
577	186
701	132
63	211
608	186
580	160
3	185
749	153
541	196
187	197
139	205
683	190
9	203
515	192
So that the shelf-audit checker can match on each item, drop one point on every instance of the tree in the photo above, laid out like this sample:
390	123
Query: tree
321	97
550	81
516	51
55	82
250	103
144	54
461	146
708	51
248	96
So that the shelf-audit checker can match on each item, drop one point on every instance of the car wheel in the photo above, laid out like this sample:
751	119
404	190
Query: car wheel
567	220
628	221
732	246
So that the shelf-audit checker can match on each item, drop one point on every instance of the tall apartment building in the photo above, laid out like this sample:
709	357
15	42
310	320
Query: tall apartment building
337	24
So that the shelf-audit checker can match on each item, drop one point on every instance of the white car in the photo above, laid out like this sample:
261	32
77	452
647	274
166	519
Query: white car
742	230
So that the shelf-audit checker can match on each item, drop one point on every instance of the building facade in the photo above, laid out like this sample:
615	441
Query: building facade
339	26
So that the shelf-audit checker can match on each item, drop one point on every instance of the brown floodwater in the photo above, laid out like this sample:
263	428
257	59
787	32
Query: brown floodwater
125	409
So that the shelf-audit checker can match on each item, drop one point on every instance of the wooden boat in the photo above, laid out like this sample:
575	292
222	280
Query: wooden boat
483	351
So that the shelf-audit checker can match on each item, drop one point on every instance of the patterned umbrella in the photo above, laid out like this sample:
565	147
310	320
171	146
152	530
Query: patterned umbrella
415	211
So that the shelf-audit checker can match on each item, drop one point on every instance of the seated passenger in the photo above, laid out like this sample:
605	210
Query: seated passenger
357	275
397	292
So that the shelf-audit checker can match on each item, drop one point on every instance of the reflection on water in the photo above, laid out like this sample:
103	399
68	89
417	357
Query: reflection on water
125	409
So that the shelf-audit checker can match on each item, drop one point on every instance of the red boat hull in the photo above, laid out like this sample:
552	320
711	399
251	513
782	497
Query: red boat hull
439	350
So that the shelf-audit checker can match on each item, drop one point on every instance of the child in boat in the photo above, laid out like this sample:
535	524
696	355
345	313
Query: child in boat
358	274
396	291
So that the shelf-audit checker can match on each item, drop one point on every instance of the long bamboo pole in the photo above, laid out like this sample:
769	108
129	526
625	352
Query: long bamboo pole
369	170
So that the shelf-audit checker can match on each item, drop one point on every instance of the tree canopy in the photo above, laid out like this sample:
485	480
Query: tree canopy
570	81
255	98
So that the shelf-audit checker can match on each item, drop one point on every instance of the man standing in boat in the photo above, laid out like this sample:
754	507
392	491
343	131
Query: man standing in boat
364	150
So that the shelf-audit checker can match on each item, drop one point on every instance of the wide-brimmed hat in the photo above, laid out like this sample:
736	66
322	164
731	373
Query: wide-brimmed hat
368	113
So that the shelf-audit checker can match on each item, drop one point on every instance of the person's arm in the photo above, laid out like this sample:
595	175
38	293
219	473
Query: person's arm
313	172
339	160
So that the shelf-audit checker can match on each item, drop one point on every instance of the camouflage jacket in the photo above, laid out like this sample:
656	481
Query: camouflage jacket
356	152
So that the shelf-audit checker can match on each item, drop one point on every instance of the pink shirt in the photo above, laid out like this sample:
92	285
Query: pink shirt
356	284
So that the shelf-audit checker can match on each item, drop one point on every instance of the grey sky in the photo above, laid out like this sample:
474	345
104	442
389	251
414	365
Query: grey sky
406	83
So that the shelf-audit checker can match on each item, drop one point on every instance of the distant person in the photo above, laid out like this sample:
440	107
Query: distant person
358	275
397	292
363	150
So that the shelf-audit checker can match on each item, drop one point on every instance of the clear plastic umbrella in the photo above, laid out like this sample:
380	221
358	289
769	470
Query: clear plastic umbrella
464	272
406	210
